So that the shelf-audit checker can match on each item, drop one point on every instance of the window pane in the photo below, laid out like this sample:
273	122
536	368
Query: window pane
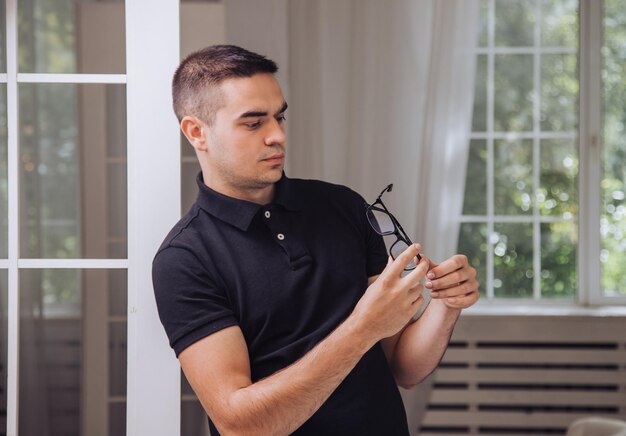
558	259
4	326
513	169
80	36
482	23
193	419
4	185
513	260
558	192
475	202
479	117
118	346
513	93
515	23
73	171
117	358
117	419
65	352
189	170
473	244
613	218
559	93
559	23
3	41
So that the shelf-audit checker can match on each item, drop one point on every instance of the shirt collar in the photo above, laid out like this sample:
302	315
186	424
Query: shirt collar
286	194
240	213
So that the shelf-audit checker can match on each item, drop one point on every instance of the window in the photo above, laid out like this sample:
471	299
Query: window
525	213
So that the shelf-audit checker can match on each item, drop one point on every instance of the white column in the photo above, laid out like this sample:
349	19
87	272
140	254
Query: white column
152	54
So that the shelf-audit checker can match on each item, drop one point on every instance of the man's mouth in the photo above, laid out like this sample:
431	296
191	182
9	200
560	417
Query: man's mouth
275	159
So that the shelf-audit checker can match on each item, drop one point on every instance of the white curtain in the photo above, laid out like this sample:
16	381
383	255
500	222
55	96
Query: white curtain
381	92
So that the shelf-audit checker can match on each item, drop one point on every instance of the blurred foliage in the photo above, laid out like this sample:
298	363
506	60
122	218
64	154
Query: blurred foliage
513	93
559	23
559	93
514	190
476	184
558	186
513	260
479	112
559	242
515	23
513	177
50	175
47	36
473	243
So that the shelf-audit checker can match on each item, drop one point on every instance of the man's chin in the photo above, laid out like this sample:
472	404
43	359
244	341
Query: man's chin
269	177
276	173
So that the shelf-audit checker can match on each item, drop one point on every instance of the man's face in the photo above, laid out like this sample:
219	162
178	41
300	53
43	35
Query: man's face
246	142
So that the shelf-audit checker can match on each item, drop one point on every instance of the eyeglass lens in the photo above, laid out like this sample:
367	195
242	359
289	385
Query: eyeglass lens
396	250
380	222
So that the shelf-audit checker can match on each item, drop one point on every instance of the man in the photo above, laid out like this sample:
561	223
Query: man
279	299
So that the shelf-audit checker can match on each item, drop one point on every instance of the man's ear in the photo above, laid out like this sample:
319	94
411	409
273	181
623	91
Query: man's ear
195	131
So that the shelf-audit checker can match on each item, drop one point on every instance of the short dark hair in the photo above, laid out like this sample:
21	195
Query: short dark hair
206	68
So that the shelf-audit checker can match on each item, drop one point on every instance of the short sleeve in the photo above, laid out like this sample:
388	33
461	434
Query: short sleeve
190	304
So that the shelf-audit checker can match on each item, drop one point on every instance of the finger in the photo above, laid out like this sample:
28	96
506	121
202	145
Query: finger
416	275
452	279
463	301
464	288
447	266
403	259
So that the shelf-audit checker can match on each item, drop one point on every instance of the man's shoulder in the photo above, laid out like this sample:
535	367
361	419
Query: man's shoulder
184	232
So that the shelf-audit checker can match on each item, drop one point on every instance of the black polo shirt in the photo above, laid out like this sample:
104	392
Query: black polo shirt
287	273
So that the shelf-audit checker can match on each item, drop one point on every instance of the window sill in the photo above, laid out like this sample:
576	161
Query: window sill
513	308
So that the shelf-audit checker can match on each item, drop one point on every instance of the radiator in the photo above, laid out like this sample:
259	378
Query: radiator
528	375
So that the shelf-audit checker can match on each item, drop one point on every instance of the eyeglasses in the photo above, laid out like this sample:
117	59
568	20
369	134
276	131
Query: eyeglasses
384	223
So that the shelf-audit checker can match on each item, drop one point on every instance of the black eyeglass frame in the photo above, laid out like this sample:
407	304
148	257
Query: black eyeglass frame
398	231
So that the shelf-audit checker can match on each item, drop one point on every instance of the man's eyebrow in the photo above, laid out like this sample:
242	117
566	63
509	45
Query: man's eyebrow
283	108
255	114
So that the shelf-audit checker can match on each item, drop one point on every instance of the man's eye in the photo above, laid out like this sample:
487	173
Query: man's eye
254	125
281	118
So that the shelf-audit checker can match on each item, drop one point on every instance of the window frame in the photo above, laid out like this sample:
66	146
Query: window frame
590	134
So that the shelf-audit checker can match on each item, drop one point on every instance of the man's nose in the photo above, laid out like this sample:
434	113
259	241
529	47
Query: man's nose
275	134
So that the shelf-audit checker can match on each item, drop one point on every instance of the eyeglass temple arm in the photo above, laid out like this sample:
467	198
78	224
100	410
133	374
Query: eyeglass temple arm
402	232
387	189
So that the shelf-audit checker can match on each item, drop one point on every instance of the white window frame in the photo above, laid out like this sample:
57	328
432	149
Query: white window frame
589	292
589	266
152	53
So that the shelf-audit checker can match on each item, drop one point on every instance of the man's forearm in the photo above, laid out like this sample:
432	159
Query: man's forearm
282	402
423	343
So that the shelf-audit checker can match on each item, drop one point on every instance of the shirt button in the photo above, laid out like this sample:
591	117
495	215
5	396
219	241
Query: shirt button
267	214
280	236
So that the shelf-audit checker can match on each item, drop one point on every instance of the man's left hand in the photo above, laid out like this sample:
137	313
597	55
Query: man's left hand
454	282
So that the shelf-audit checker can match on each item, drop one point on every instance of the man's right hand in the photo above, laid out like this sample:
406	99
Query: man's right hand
390	301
